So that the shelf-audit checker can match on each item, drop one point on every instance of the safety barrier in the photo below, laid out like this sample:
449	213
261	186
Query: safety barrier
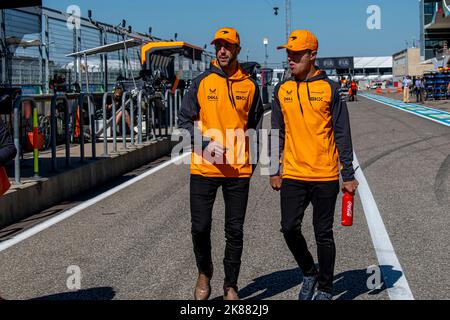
173	104
388	90
53	126
58	99
156	117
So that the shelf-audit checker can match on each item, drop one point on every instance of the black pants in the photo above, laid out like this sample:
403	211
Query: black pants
203	194
419	97
295	198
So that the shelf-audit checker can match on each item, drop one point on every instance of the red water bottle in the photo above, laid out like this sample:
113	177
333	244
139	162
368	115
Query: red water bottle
347	210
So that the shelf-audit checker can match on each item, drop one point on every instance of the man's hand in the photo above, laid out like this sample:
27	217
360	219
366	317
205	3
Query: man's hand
215	151
275	183
350	186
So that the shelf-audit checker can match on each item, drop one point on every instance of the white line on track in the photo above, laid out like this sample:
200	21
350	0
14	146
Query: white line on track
411	112
399	290
67	214
395	280
46	224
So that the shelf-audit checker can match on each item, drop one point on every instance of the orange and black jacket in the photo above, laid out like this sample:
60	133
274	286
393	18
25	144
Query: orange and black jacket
314	130
217	103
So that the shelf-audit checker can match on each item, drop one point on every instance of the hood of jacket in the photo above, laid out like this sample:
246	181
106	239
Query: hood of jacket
239	75
319	75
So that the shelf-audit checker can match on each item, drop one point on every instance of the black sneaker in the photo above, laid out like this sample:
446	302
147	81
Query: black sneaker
320	295
308	287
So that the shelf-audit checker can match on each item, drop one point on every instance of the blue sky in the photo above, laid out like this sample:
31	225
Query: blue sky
339	25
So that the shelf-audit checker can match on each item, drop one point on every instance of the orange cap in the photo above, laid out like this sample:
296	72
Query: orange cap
228	34
300	40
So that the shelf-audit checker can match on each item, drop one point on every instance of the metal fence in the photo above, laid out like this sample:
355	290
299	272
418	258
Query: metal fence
75	124
34	44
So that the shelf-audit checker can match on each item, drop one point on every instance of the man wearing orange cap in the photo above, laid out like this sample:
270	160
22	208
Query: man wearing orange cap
222	100
314	136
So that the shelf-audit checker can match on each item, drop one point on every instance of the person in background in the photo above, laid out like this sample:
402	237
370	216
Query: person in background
406	88
7	149
354	90
118	94
419	89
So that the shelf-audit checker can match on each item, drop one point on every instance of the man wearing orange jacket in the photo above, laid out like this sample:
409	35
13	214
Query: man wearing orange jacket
220	101
314	136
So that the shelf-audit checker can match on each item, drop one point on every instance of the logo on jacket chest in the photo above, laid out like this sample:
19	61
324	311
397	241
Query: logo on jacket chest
288	98
212	95
241	95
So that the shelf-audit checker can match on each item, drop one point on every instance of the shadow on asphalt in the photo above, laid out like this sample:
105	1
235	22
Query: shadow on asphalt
102	293
271	285
350	285
10	231
347	285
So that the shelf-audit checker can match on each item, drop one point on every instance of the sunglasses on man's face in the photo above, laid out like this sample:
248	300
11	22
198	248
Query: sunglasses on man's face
228	46
297	56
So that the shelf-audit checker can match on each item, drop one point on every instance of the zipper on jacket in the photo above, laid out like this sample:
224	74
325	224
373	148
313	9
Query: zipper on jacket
230	96
309	94
298	96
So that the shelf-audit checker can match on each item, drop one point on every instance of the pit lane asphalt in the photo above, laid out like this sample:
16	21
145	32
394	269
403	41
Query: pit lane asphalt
136	243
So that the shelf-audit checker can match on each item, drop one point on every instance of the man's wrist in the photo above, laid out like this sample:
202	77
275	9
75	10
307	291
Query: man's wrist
205	142
275	175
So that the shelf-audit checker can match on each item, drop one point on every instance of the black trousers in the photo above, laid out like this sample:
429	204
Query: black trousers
203	192
419	97
295	198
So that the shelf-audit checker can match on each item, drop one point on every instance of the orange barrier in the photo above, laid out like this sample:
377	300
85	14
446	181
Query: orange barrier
388	90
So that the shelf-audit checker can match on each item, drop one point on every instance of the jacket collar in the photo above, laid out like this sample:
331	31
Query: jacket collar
318	75
239	75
